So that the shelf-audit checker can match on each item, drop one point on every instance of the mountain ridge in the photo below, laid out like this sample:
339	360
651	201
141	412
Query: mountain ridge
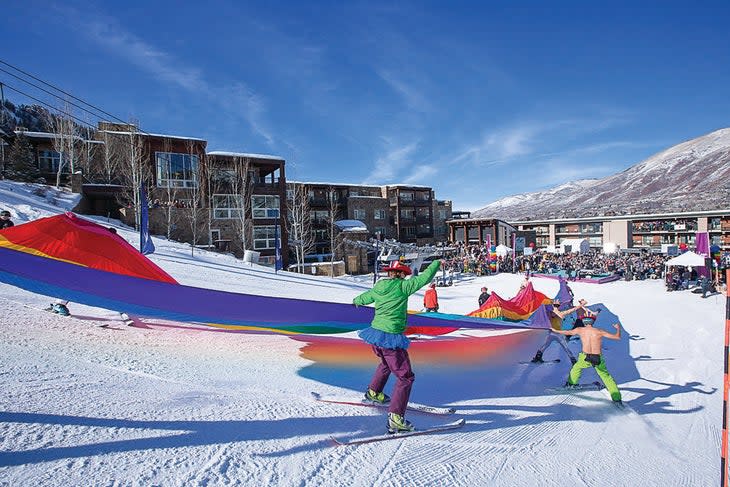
691	176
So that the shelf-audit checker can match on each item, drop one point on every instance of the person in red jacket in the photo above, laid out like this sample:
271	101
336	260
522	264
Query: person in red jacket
431	299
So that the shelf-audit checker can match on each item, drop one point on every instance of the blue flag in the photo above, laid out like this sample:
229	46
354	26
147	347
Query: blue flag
278	264
145	241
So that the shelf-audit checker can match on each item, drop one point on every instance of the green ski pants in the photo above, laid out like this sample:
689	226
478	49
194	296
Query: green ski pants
602	372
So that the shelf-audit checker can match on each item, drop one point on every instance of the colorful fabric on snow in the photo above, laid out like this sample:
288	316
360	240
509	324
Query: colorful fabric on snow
518	308
157	299
82	242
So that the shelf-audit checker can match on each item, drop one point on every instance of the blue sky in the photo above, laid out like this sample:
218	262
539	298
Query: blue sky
479	100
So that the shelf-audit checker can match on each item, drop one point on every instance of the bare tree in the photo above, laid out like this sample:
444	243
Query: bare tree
64	141
299	223
332	230
195	194
241	189
88	150
109	158
171	191
134	168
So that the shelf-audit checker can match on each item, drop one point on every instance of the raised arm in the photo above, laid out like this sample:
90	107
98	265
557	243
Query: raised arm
413	284
613	336
566	332
565	313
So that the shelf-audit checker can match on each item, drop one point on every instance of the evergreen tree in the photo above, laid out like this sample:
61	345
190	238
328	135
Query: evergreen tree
21	161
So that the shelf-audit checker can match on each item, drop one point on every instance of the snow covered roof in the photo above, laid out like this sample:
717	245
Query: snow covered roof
351	226
408	186
244	154
319	183
42	135
147	134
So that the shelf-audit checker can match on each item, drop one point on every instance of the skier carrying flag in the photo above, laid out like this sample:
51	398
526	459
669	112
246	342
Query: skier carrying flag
556	323
389	344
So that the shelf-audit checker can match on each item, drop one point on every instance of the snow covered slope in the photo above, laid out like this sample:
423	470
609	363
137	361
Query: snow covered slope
694	175
85	405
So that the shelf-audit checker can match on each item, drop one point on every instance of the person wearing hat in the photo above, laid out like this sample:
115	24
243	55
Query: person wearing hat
584	314
388	342
431	299
5	221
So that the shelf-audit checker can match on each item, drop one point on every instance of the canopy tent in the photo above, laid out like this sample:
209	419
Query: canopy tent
502	250
577	245
688	258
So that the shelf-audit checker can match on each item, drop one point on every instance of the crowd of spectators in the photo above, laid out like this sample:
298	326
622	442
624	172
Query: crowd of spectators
663	225
476	259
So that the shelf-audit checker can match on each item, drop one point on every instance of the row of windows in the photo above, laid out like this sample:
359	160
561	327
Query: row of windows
230	206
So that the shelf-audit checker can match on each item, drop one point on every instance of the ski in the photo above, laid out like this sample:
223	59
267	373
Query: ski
530	362
353	401
593	386
397	436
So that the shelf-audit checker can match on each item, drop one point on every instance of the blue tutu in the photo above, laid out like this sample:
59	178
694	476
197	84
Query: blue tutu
384	340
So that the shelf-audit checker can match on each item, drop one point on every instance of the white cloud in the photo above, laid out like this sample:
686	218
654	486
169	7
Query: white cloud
420	174
237	99
388	166
414	99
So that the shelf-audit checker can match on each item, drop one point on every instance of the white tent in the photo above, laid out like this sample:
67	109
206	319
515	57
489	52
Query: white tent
502	250
688	258
579	245
610	248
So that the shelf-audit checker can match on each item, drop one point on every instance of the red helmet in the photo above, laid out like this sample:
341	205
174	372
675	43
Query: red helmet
398	266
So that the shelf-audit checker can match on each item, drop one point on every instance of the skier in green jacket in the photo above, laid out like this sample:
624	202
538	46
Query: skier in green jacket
385	334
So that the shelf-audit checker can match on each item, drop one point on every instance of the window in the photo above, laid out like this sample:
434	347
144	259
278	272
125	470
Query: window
359	214
48	160
406	196
407	214
320	235
379	230
409	231
264	237
265	206
442	214
319	217
226	206
176	170
379	214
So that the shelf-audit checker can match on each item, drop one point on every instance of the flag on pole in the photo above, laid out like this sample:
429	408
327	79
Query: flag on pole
278	264
145	241
514	252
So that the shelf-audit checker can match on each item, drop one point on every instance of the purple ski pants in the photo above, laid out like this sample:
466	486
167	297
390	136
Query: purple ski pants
394	361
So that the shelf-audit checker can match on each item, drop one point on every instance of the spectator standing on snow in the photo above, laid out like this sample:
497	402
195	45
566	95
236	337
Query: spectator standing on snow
388	342
431	299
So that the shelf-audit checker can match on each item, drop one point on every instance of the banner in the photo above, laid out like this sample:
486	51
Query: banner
278	264
146	246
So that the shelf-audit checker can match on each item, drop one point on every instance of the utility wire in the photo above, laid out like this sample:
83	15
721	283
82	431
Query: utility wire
59	97
62	91
85	110
82	122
